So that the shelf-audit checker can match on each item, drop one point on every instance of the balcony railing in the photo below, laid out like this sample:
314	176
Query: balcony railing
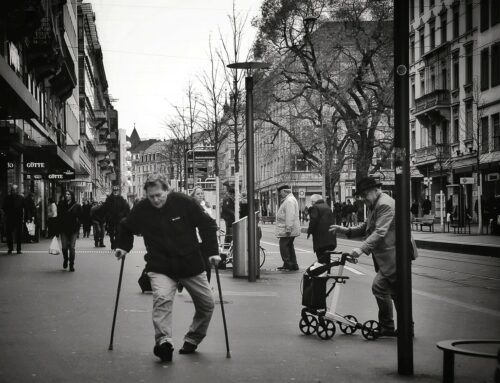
433	153
436	98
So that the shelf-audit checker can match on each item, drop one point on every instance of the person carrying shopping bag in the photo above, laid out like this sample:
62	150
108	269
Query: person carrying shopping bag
69	212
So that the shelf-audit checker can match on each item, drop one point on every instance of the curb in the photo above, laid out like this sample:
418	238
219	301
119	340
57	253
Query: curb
462	248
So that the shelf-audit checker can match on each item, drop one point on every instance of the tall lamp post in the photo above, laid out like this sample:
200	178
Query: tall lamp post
252	238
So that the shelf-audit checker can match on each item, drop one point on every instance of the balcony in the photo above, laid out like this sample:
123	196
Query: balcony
20	18
433	107
431	154
64	81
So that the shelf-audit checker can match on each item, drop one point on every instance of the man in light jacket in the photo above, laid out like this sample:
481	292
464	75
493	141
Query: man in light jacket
287	228
380	241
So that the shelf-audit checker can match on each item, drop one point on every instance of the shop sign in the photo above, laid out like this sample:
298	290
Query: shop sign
69	175
33	176
11	165
33	166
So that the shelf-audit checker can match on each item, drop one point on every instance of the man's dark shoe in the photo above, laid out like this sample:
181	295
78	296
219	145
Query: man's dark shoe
71	268
188	348
19	252
387	332
283	268
102	245
9	252
294	268
65	264
164	351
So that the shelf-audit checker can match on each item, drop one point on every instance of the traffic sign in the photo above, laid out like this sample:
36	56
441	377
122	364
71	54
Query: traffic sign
466	180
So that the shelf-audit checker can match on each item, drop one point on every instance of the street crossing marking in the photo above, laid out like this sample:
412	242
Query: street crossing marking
353	270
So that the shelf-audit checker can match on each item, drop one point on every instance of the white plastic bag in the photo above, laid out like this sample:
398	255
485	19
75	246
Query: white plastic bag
31	227
54	246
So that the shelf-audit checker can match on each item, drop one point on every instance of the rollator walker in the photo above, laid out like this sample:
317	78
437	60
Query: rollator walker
315	317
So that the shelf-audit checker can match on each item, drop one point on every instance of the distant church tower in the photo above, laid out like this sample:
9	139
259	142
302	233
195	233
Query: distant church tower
134	138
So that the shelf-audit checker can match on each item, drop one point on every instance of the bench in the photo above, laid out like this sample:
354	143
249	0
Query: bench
451	347
426	220
268	218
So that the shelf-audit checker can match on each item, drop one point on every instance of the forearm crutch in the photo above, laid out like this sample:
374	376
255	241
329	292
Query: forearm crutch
116	304
228	353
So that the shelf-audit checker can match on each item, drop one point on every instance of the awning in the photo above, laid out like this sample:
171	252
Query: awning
16	102
55	159
415	173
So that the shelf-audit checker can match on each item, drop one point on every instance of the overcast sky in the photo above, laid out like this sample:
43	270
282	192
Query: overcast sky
152	48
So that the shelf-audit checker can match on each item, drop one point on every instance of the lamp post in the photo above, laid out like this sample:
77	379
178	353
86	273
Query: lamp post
252	238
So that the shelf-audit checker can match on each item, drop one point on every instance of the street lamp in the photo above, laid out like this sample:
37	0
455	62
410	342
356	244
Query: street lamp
252	238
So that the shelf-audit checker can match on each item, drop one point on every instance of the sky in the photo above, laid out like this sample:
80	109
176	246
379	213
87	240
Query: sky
153	48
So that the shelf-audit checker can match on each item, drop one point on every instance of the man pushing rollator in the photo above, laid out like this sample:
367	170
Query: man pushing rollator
168	222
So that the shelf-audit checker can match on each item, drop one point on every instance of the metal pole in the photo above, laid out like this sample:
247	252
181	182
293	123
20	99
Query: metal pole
252	270
116	305
402	166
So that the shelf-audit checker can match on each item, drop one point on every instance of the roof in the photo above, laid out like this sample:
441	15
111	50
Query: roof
143	145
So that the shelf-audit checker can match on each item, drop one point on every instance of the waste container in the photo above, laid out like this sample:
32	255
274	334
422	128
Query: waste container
240	249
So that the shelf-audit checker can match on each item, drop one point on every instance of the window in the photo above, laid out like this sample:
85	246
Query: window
495	121
484	135
444	23
412	100
413	142
456	22
232	170
485	69
412	50
422	83
456	71
495	63
431	3
432	137
298	163
495	13
468	120
444	132
432	34
456	126
468	64
412	9
421	42
432	86
485	14
444	78
468	15
421	6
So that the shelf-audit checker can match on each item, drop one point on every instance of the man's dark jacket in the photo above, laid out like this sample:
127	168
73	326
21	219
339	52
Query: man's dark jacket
227	213
170	235
116	209
14	206
321	217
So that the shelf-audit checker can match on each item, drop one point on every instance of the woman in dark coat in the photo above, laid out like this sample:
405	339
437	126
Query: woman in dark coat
69	212
86	221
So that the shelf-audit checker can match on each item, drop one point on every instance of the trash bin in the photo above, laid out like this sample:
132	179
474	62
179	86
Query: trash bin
240	249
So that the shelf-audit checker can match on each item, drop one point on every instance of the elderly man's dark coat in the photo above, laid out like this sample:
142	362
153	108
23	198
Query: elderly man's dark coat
321	217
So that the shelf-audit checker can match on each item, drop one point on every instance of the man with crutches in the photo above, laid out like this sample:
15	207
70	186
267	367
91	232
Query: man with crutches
168	221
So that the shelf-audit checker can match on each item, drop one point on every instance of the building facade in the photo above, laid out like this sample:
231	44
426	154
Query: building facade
455	102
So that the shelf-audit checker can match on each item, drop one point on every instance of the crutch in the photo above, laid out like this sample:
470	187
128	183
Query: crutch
228	354
116	304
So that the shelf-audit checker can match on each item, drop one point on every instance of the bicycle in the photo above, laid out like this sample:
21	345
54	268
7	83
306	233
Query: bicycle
226	251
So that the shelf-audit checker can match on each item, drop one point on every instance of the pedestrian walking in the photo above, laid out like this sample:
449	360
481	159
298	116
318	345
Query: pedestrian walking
98	218
414	209
86	220
116	209
69	212
344	213
199	195
287	228
354	214
168	221
227	213
322	218
349	210
51	218
29	217
243	205
13	207
337	211
380	241
426	206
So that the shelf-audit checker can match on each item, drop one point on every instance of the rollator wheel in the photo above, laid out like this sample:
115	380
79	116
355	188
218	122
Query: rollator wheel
326	329
308	324
346	329
370	330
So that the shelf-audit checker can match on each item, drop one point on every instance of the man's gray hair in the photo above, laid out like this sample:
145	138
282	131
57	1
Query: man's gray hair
315	198
157	179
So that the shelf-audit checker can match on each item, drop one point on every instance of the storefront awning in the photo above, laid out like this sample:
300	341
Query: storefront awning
53	157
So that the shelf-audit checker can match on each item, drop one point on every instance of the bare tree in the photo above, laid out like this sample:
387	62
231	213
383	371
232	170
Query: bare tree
343	70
